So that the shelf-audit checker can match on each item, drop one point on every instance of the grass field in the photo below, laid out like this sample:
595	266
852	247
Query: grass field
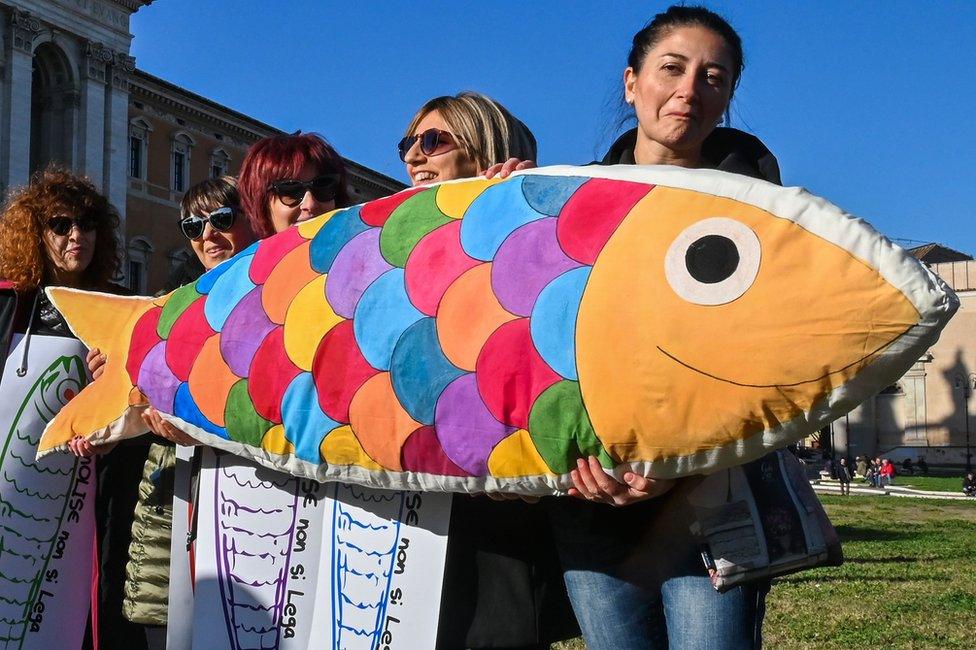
909	581
938	483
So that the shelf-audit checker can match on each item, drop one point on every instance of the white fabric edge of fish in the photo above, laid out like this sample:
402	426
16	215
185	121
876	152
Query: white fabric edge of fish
928	293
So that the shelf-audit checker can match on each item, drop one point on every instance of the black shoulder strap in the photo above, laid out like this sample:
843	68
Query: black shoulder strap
8	314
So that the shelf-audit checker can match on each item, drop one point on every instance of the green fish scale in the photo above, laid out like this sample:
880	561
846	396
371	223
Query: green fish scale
409	223
178	303
561	429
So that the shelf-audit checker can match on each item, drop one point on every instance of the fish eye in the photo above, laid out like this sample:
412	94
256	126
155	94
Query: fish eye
713	261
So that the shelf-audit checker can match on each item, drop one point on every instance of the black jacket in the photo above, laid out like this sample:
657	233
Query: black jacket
651	541
729	150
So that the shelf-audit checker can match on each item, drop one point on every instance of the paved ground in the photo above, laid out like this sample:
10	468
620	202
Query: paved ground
828	486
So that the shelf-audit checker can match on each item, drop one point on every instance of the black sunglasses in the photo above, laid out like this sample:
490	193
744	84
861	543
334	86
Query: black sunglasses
291	192
61	226
220	219
433	142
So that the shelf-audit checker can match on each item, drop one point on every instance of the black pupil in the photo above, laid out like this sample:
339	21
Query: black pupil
712	258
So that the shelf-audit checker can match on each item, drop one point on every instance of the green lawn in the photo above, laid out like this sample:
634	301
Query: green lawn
938	483
909	581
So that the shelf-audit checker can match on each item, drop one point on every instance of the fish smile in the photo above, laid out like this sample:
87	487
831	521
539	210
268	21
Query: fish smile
795	383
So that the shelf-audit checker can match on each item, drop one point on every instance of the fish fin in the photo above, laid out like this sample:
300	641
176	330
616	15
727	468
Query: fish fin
108	409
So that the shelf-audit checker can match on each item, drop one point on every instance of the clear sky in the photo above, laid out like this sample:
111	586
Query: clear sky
871	104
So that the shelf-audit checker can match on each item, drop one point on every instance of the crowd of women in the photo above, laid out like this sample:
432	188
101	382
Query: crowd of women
618	562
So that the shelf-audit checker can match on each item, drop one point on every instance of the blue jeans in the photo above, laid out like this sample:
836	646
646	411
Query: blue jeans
685	613
636	580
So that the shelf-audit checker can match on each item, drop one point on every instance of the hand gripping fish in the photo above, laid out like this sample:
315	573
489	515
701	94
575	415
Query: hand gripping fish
483	334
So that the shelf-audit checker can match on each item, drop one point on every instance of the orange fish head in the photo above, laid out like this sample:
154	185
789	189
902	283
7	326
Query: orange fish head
707	320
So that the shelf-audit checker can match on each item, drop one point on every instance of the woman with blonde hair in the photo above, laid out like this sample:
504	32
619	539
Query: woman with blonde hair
503	586
462	136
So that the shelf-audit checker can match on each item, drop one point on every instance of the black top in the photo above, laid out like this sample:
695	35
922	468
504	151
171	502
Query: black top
729	150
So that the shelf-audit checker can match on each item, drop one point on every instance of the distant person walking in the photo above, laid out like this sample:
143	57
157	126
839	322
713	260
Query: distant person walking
844	476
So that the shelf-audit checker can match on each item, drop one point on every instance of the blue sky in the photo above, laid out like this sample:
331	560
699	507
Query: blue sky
870	104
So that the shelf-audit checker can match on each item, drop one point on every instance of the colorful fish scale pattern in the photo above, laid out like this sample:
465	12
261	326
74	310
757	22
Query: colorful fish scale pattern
432	331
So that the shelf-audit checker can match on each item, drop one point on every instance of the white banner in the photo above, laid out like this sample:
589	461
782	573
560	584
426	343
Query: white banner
179	627
47	524
290	563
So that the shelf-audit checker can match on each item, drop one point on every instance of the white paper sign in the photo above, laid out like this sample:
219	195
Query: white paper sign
289	563
47	524
179	628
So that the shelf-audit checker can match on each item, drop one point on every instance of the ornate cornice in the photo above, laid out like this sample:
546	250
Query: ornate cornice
97	57
157	92
124	62
123	66
172	101
23	28
133	5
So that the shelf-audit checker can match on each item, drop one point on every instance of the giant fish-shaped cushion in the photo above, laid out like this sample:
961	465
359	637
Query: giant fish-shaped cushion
484	334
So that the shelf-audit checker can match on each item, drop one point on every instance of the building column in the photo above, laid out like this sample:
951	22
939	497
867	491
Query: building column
92	118
16	121
115	168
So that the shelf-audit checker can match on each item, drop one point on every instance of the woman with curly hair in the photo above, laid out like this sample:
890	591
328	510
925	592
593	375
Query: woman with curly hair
59	230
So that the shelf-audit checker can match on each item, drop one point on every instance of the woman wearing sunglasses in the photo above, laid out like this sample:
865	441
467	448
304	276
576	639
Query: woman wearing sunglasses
462	136
286	179
212	220
502	582
59	230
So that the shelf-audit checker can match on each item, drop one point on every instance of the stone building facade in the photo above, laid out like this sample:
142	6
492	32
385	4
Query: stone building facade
70	93
929	411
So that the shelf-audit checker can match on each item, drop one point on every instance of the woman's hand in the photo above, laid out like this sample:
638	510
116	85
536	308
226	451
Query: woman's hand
83	449
592	483
503	170
164	429
96	363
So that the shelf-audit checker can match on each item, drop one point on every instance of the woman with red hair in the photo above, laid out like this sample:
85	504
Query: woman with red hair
286	179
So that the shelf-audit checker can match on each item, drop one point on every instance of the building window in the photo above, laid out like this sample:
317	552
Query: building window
139	252
219	163
135	157
139	130
180	173
137	275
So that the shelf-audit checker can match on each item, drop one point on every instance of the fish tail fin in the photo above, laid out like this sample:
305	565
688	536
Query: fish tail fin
101	413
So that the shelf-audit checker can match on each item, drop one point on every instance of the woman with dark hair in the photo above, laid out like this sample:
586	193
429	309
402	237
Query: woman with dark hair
286	179
636	574
214	225
59	230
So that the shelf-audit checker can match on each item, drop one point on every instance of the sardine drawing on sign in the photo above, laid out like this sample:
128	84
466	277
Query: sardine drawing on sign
482	335
36	500
365	538
254	550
